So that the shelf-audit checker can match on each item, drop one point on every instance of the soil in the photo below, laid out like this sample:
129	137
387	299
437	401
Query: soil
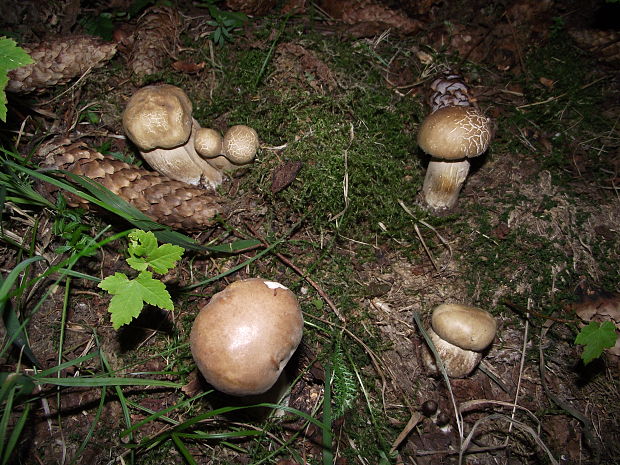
519	408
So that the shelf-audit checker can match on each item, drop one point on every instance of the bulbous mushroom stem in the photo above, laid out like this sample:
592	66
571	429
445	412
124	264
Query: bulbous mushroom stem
443	182
183	164
158	120
458	362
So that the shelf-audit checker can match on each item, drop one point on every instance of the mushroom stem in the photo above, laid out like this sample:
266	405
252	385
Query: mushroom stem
443	182
184	164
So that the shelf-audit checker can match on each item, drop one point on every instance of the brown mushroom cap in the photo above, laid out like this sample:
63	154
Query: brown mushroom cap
240	144
469	328
208	142
158	116
455	132
242	339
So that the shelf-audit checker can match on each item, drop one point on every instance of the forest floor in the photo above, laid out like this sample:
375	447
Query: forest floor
333	210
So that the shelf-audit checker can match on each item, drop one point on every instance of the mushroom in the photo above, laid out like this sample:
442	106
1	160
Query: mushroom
459	333
243	338
158	120
240	144
237	148
451	135
208	142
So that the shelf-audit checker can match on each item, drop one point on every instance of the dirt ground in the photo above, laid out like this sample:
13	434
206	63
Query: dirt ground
531	401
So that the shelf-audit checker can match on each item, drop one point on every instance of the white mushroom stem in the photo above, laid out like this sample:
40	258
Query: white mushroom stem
458	362
184	164
443	182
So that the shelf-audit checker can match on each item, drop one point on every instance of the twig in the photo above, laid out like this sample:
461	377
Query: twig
413	421
521	367
525	313
441	238
557	97
297	270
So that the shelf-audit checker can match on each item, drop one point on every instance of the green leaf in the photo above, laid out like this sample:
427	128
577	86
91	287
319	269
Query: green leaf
595	338
154	291
165	257
141	243
130	295
145	253
11	57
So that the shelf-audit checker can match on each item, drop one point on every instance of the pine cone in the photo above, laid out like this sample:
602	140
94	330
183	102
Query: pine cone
251	7
605	45
156	37
449	90
370	11
168	202
58	61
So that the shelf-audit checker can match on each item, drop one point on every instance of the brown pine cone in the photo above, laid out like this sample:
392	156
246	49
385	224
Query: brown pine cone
58	61
155	38
604	45
168	202
448	91
372	12
250	7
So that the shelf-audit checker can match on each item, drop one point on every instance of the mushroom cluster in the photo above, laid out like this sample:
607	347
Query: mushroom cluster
460	334
244	337
158	120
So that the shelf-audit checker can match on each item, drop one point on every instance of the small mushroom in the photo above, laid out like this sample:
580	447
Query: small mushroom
451	135
240	144
459	333
237	148
243	338
158	120
208	142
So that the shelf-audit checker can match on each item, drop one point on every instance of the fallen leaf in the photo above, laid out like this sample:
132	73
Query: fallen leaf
188	67
284	175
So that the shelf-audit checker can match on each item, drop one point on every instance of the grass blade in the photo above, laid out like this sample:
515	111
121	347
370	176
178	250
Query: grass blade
105	381
183	450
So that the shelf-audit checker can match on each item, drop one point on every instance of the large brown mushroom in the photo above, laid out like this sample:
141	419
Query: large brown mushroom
243	338
158	120
451	135
459	333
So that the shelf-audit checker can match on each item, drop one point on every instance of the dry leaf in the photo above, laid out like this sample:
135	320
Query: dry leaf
188	67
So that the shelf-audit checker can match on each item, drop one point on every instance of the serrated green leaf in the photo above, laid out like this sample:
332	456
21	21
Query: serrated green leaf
114	284
137	263
126	305
154	291
11	57
596	337
165	257
130	295
141	243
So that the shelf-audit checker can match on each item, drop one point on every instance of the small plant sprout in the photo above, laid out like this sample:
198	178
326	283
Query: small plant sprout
130	295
